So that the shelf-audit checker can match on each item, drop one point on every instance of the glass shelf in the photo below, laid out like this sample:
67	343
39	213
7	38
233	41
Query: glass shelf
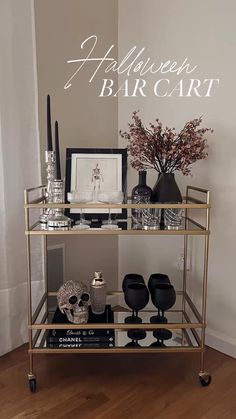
185	332
194	222
125	228
121	340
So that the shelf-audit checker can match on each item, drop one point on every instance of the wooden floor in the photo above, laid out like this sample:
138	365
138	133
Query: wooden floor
156	386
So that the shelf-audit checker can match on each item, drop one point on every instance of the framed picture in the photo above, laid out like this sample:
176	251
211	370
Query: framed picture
97	170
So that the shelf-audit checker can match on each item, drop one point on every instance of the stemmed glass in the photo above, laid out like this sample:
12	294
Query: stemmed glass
131	279
155	279
80	197
163	297
134	335
110	197
136	297
161	335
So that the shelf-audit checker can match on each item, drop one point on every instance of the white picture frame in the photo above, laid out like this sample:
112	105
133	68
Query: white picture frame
96	170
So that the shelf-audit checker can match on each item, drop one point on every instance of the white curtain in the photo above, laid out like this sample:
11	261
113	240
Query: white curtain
19	164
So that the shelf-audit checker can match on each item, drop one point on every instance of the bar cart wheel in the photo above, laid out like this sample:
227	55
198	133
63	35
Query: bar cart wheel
205	379
32	384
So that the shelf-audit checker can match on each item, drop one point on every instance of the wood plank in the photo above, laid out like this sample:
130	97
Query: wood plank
131	386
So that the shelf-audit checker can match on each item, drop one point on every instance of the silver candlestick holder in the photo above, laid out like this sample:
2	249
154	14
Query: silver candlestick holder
50	160
57	220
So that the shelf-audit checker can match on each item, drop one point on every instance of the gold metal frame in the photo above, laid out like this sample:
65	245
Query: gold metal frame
193	332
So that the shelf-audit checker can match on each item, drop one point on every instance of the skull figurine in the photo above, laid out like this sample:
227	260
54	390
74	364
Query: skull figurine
73	300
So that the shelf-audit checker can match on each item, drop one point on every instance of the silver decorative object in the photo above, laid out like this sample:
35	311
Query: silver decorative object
73	300
50	160
57	220
98	292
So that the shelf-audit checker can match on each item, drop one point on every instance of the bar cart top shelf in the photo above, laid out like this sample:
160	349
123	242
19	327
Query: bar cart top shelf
192	227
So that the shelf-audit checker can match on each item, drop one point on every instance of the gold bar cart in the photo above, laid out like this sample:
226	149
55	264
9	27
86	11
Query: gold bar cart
190	323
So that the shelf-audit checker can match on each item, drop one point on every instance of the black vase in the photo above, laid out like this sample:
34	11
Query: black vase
166	189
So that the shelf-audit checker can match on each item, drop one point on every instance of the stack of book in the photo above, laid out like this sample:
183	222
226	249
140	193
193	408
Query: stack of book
82	338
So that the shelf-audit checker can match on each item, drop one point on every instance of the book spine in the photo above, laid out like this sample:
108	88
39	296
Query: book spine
80	339
81	332
80	345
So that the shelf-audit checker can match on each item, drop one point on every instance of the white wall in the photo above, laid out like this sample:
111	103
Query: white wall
203	31
61	26
85	120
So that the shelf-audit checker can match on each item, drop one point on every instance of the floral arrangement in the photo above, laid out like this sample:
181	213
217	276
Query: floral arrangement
163	149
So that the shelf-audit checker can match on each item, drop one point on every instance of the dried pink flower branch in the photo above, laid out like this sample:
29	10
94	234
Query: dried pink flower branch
163	149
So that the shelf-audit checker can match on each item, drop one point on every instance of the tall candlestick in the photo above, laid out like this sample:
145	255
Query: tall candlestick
50	160
57	150
49	126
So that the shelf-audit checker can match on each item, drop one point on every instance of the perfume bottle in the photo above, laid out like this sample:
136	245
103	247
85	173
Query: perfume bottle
141	194
98	293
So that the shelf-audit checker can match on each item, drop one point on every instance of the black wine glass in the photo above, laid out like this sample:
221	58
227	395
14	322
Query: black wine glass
158	344
131	279
132	344
157	278
136	297
163	297
135	335
161	335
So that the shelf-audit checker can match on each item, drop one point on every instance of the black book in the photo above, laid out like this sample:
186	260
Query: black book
106	317
80	339
81	345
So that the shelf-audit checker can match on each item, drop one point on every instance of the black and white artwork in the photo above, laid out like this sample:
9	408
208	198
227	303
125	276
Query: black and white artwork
96	170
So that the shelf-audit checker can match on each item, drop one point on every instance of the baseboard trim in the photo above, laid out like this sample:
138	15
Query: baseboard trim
221	342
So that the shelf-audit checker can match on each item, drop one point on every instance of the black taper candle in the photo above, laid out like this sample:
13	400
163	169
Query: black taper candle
49	125
57	151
